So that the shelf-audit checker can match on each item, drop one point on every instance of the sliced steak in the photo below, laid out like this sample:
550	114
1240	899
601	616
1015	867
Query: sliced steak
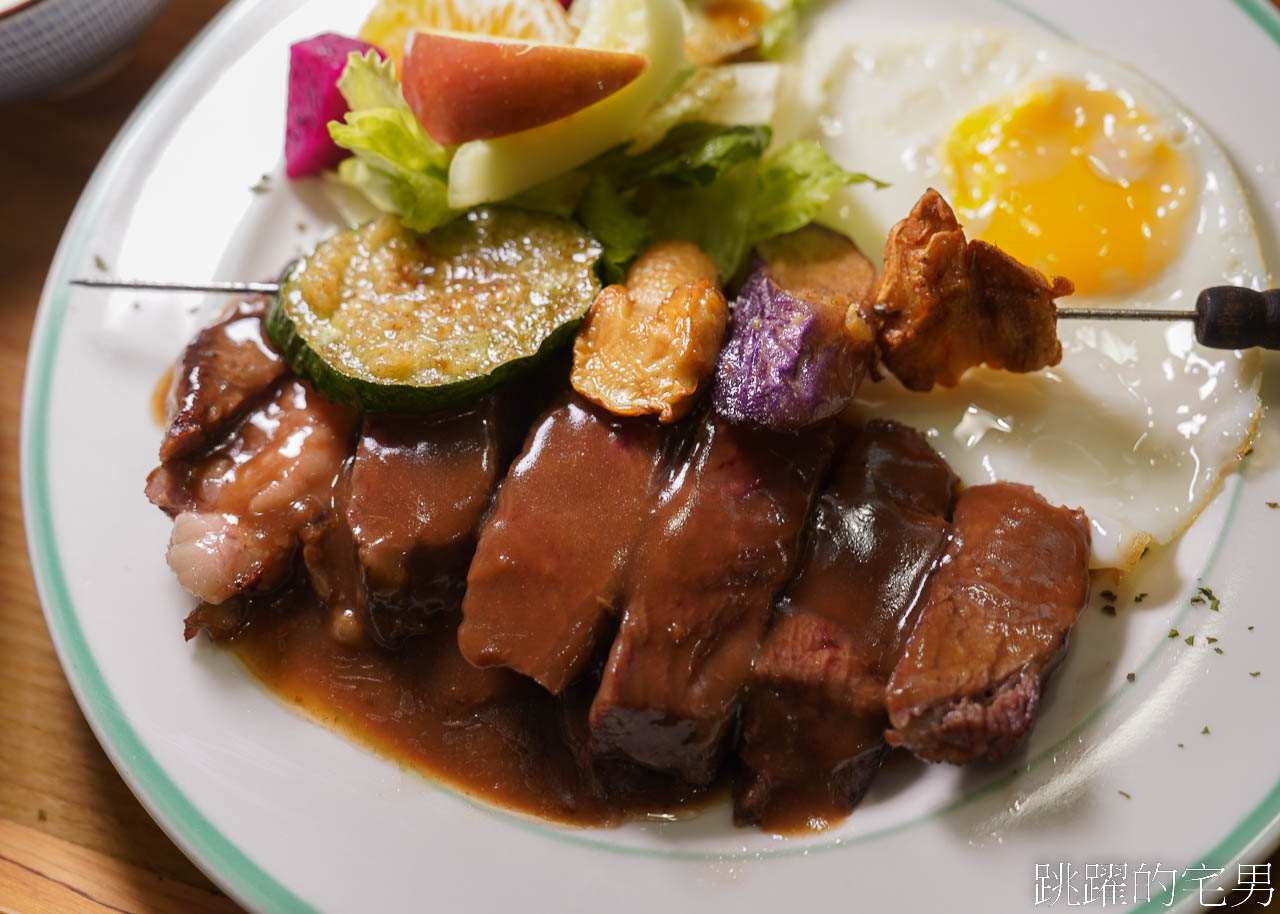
552	560
721	545
240	508
813	724
993	621
614	779
420	488
223	370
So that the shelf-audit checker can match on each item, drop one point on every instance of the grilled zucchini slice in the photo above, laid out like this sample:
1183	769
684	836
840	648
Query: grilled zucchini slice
383	319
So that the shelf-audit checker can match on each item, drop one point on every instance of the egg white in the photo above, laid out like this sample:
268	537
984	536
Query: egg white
1138	423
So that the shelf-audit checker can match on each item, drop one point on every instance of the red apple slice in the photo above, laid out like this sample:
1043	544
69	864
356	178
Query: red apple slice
471	87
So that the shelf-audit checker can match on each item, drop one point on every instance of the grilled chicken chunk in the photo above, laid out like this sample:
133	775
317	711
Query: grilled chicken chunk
993	621
947	304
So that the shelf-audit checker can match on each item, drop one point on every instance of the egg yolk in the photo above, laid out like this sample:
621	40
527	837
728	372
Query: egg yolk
1075	179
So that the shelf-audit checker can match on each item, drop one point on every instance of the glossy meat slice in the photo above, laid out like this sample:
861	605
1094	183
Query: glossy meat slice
722	543
420	488
239	509
332	565
552	560
993	621
813	724
222	371
618	780
947	304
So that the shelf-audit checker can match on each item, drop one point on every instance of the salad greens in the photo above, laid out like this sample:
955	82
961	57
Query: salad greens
395	163
622	234
777	31
711	185
721	187
692	91
693	154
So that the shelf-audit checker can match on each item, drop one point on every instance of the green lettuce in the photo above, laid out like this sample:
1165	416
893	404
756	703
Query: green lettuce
714	185
395	163
714	217
749	203
780	26
792	187
693	92
708	184
609	218
694	153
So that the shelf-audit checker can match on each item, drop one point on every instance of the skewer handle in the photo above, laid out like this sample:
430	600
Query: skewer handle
1233	317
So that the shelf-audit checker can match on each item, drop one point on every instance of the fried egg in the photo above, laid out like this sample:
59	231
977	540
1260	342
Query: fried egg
1081	167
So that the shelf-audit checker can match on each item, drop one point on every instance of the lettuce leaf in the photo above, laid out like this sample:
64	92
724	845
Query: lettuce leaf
396	164
619	197
751	202
779	28
694	153
715	217
793	186
609	218
697	88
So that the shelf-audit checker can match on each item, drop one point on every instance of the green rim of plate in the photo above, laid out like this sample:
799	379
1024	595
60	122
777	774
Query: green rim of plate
196	835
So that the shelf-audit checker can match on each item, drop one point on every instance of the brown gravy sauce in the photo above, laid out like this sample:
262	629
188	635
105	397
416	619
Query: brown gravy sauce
160	398
491	734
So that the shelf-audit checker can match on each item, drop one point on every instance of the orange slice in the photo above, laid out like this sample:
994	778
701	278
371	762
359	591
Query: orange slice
391	21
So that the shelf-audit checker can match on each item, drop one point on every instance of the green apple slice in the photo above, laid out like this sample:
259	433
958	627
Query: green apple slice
484	171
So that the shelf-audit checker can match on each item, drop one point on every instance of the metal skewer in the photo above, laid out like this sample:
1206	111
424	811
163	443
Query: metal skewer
147	285
270	288
1124	314
1226	317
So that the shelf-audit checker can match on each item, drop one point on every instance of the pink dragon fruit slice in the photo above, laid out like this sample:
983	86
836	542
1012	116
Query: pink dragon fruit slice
314	100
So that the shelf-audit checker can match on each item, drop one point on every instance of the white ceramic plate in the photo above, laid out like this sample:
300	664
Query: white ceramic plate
287	816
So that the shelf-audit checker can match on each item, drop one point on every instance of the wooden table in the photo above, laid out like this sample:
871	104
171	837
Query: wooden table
72	836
